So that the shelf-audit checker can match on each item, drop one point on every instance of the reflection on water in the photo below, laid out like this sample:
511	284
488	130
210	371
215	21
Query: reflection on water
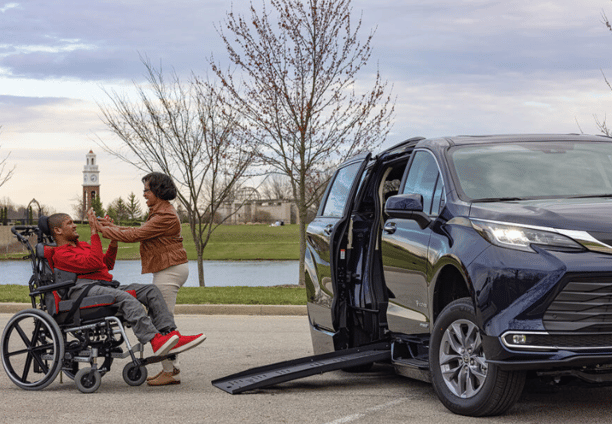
216	273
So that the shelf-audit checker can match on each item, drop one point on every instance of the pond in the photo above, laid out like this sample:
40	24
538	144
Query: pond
216	273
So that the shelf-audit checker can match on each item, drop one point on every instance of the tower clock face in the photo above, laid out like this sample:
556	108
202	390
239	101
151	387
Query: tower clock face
93	178
85	178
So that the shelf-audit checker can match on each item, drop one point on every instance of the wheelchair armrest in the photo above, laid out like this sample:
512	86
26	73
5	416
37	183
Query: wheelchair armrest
64	279
52	287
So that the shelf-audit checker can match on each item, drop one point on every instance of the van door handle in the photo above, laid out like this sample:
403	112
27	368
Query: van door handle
328	229
390	227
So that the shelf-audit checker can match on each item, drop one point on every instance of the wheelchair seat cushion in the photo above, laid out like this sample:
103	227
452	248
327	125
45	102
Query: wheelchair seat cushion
87	302
92	308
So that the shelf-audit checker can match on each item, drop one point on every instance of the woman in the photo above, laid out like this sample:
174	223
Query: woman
161	252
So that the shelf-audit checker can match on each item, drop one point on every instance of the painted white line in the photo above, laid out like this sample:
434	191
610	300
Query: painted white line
350	418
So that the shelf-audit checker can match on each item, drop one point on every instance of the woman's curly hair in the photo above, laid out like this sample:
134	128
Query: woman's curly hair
161	185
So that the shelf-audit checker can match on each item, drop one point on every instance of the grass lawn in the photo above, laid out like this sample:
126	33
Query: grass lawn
200	295
231	243
227	243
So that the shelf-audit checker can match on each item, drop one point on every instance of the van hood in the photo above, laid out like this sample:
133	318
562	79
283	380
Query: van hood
593	215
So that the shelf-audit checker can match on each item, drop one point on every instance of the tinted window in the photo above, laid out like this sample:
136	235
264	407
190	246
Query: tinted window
338	194
424	179
524	170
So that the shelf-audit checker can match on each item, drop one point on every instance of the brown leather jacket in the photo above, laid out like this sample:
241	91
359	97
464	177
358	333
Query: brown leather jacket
161	244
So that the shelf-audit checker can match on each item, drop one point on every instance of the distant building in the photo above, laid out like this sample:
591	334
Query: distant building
249	208
91	181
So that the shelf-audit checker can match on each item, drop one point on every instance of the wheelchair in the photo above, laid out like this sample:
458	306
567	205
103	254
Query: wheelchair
58	335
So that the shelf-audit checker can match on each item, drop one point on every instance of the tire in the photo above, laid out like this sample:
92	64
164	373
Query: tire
87	381
134	375
461	378
32	349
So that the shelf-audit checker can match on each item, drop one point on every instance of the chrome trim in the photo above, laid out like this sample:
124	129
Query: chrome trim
587	241
545	333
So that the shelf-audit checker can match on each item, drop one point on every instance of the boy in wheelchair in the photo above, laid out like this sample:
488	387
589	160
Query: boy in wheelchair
76	320
92	266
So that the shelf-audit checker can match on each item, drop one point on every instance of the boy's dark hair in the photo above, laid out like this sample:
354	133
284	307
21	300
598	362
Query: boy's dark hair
161	185
56	220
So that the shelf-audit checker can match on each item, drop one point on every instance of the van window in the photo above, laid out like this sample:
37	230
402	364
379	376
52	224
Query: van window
424	179
339	192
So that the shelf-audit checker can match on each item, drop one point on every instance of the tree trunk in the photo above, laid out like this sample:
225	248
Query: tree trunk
302	268
201	270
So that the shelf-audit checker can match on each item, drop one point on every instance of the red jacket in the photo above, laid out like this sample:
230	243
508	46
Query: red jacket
86	260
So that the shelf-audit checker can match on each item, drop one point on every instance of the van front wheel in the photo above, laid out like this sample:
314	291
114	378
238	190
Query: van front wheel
461	377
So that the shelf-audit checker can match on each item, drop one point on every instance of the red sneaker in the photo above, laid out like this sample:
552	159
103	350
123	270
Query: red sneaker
162	344
186	342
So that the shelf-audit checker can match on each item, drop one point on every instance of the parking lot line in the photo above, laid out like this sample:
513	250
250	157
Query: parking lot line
353	417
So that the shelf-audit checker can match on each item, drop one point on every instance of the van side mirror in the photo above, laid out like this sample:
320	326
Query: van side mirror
407	206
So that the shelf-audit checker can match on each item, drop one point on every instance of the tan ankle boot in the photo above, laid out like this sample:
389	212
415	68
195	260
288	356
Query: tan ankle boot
165	378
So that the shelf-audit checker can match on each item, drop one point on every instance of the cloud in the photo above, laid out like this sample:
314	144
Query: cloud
8	6
30	115
101	40
457	67
454	39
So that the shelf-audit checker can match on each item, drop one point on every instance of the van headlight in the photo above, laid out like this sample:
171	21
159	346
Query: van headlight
518	237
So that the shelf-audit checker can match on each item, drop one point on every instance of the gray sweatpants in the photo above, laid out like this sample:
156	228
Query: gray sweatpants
145	327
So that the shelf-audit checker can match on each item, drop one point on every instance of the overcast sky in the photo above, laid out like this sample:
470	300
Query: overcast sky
457	67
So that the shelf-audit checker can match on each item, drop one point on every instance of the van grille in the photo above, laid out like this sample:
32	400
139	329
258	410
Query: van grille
584	305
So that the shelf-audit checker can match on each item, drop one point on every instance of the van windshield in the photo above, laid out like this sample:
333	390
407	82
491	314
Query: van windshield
496	172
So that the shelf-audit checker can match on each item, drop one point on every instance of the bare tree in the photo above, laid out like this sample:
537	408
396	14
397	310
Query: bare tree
276	186
78	207
5	174
602	123
297	90
183	130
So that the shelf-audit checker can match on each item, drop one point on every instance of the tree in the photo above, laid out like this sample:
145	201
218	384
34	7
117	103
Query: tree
5	174
96	204
186	131
78	207
276	186
133	207
602	124
297	91
118	210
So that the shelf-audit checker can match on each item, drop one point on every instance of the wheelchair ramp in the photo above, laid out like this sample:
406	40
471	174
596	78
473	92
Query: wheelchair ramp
280	372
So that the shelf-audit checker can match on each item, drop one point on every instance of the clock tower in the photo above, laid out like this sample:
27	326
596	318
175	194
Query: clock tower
91	181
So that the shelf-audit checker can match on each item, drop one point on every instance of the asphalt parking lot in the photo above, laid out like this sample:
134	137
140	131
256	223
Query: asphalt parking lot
238	342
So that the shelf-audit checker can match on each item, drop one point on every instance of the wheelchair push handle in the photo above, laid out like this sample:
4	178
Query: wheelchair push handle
23	230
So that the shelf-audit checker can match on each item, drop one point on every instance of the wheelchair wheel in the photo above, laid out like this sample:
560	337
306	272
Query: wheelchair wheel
134	375
88	381
32	349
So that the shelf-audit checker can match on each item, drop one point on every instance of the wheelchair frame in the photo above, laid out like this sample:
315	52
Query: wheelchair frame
39	343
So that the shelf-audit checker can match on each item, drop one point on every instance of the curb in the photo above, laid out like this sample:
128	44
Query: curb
182	309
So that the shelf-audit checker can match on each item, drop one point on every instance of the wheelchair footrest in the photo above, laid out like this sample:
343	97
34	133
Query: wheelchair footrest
155	359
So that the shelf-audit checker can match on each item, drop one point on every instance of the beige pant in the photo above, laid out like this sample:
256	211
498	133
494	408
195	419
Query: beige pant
169	281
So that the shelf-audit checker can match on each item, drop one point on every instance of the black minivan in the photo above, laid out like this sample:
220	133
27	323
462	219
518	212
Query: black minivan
481	260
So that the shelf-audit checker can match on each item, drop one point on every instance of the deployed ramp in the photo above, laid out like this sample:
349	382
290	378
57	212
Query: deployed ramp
280	372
